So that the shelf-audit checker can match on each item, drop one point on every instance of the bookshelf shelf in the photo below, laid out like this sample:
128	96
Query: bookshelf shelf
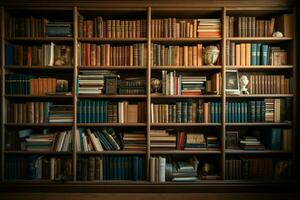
110	124
112	67
12	67
119	40
260	68
259	96
193	68
117	96
160	96
39	124
260	124
183	124
185	40
240	151
120	152
260	39
204	151
37	152
54	96
40	39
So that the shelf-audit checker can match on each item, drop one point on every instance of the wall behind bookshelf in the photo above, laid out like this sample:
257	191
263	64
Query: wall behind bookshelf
216	156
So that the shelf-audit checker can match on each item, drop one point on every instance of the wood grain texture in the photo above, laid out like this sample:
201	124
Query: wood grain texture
146	3
166	196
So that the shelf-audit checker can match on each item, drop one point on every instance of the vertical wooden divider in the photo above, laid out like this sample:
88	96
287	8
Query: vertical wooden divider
75	64
223	138
148	90
2	96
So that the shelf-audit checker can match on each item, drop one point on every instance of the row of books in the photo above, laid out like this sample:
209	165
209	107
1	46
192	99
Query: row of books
25	84
33	140
99	111
180	140
38	167
39	112
109	55
108	28
98	140
258	168
185	28
163	169
269	84
252	26
166	55
36	27
111	168
44	55
249	26
132	85
261	139
246	54
186	112
269	110
176	83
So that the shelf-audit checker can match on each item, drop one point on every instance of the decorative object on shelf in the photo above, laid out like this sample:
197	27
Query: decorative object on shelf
232	140
155	85
232	82
210	54
207	169
244	82
277	34
61	86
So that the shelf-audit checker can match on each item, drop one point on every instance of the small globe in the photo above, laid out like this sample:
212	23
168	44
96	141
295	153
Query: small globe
155	85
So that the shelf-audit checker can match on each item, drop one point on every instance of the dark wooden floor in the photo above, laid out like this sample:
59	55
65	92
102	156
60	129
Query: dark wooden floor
123	196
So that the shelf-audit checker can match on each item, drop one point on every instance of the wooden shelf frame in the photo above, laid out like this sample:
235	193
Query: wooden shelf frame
149	69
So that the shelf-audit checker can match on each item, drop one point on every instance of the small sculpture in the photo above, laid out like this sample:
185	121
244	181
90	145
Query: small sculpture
208	169
210	54
243	83
155	85
277	34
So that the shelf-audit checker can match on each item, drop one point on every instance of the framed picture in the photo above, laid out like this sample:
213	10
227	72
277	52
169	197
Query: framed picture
232	140
232	82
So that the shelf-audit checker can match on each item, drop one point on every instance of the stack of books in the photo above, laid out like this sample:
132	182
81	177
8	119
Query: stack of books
195	141
209	28
134	85
183	171
61	113
135	141
59	29
93	81
162	139
40	142
212	142
192	85
251	143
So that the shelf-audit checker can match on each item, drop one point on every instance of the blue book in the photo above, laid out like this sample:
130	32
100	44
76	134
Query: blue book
226	113
258	54
264	54
212	112
79	112
253	54
135	168
103	141
238	111
105	103
9	54
170	55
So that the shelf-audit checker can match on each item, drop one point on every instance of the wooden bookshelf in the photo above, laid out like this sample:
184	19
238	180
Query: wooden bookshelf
148	71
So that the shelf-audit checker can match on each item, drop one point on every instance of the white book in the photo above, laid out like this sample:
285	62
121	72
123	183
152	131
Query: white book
62	136
162	169
66	141
77	136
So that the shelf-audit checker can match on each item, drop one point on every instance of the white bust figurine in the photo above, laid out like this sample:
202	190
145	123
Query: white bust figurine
243	83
